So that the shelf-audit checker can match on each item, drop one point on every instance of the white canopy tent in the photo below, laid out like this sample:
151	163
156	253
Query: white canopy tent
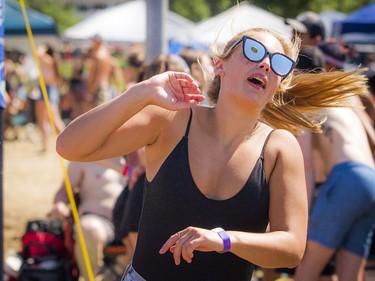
222	27
126	23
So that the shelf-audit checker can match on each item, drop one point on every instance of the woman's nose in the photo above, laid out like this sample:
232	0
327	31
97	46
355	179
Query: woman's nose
265	64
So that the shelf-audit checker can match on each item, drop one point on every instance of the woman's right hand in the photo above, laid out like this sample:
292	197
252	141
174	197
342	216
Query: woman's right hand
174	90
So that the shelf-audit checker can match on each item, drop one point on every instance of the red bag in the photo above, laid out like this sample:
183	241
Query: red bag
44	252
41	244
43	238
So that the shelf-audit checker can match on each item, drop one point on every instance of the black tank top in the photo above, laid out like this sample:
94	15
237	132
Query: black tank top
173	202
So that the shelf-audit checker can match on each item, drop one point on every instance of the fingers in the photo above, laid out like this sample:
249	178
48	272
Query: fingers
184	83
175	90
181	244
183	249
170	242
182	75
187	92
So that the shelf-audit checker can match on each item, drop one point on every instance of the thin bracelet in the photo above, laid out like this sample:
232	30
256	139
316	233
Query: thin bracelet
225	237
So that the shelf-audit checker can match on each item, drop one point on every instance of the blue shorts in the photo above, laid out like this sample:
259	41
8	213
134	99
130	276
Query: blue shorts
131	275
53	94
343	214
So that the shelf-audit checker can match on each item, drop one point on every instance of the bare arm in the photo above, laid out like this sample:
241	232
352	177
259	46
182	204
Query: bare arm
116	163
129	121
284	245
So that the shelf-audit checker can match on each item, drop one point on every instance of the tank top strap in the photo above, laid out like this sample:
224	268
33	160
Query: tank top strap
265	143
189	123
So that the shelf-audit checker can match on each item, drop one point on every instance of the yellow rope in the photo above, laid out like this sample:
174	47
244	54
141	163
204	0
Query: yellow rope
65	174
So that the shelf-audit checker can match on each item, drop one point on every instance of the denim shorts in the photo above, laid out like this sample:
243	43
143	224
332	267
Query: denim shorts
343	214
131	275
53	94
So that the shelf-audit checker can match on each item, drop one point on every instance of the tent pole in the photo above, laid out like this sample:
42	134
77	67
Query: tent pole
156	16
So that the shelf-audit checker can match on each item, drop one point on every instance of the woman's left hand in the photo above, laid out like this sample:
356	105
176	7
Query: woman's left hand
185	242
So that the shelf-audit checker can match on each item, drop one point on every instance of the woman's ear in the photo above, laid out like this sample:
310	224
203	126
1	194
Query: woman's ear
218	67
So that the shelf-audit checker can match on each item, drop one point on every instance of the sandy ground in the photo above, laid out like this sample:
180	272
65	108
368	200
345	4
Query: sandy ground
30	180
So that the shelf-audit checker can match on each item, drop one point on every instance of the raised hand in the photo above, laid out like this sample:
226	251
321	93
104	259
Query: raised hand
174	90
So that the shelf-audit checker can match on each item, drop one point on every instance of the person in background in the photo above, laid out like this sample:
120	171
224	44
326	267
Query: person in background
97	186
101	70
132	65
216	177
310	28
200	65
78	97
49	64
343	157
335	57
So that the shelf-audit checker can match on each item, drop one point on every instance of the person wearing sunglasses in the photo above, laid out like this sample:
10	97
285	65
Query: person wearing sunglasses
216	177
255	51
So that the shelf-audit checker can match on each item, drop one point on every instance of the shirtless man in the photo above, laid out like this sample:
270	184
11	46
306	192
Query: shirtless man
98	185
342	216
101	70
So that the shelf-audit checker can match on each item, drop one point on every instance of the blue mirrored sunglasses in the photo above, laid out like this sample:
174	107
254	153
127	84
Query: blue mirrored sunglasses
255	51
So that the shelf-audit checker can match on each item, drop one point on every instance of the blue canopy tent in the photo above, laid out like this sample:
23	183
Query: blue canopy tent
15	23
357	27
360	21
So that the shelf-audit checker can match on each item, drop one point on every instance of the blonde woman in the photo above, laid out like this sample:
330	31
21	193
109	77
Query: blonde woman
215	177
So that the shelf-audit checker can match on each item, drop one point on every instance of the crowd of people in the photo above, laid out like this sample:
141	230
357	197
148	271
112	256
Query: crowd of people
185	158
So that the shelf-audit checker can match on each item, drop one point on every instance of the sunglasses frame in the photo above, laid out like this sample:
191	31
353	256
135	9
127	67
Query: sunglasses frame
266	53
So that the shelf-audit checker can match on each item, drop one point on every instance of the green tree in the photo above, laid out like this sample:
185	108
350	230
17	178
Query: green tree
195	10
62	13
218	6
291	8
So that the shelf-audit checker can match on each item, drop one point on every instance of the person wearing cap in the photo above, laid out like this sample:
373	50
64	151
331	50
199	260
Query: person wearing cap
309	27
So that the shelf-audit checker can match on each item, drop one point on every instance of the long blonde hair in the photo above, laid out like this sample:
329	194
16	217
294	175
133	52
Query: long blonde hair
300	95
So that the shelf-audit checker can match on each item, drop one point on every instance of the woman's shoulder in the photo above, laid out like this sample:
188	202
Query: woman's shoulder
281	140
277	135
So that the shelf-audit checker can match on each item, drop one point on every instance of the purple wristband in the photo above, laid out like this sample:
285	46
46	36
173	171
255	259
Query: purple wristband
225	237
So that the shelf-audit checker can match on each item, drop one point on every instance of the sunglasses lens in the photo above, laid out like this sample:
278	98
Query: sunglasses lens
253	50
281	64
